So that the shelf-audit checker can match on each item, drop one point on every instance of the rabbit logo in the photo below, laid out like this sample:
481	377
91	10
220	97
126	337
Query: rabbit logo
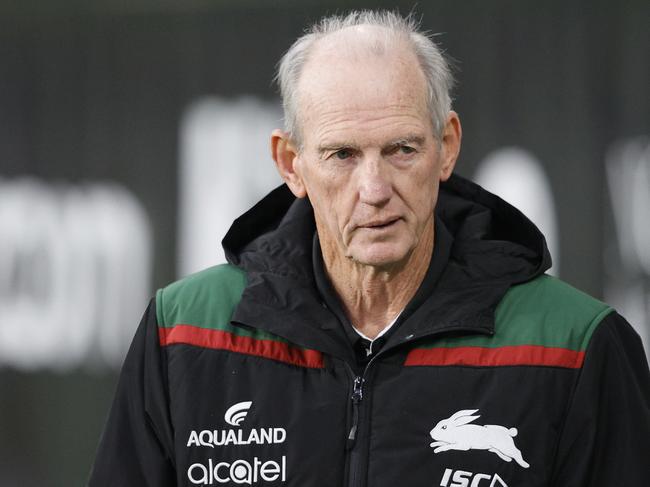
454	433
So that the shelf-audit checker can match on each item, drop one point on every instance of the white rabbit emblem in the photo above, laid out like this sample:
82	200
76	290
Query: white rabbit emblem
455	434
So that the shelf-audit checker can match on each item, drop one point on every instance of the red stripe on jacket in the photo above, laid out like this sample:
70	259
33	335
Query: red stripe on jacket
499	356
222	340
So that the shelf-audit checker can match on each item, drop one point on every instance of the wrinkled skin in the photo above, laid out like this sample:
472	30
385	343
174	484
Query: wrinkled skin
369	161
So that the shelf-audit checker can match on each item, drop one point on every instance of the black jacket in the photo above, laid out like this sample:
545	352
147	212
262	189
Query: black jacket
503	376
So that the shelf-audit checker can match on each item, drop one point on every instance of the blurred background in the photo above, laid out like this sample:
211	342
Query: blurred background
133	132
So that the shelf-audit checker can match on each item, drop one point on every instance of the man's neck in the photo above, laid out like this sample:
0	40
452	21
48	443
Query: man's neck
371	297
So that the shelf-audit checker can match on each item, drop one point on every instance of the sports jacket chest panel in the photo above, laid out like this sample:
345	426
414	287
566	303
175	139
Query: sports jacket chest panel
510	392
291	422
291	410
407	405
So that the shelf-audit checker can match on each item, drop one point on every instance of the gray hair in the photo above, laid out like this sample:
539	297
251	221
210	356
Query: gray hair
434	66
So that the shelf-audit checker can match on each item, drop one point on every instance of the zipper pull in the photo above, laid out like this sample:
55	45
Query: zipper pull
357	390
357	396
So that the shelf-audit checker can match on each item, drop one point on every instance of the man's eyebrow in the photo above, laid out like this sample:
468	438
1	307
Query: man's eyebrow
408	139
333	146
415	139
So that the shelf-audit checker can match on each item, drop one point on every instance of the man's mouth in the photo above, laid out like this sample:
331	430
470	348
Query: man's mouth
380	224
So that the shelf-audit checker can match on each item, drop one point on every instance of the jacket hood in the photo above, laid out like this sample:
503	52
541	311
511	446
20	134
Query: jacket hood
494	247
481	223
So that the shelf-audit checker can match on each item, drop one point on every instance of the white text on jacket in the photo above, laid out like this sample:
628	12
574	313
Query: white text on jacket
256	436
239	472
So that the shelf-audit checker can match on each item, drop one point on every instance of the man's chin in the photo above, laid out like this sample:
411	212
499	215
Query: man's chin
379	255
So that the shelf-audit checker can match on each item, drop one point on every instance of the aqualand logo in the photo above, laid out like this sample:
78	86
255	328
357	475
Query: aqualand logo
236	413
235	416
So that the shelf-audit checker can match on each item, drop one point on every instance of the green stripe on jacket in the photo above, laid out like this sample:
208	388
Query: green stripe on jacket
207	300
545	312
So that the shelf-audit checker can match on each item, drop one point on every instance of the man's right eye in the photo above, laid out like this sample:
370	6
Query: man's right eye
343	154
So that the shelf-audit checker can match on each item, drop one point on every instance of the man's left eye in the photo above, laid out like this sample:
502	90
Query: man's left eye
406	149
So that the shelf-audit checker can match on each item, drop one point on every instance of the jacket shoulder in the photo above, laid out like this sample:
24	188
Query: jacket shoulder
548	312
206	299
539	316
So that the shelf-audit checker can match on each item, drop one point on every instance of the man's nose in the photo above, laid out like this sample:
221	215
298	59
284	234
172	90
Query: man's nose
375	185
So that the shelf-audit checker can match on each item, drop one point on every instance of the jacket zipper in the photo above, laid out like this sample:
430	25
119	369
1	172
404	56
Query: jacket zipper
357	396
357	452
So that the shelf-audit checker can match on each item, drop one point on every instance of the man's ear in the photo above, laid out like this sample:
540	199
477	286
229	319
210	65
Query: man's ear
285	155
450	145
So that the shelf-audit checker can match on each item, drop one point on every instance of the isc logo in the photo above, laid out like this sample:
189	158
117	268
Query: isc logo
461	478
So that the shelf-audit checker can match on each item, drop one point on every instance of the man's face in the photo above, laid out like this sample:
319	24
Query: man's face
369	162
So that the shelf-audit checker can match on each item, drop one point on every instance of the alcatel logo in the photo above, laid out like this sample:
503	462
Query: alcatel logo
238	472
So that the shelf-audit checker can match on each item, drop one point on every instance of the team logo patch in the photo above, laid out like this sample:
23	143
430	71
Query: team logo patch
454	433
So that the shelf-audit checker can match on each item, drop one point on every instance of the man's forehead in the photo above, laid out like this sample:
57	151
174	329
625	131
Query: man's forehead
332	86
339	64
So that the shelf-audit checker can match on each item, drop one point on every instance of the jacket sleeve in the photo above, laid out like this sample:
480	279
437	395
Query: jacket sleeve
136	447
606	436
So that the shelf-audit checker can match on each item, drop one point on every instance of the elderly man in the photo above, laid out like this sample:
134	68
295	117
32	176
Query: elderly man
380	322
